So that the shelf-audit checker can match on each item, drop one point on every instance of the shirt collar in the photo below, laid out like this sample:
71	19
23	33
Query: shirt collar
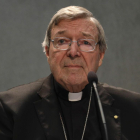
75	96
66	95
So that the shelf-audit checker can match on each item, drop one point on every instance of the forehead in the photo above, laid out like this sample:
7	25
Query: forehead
77	27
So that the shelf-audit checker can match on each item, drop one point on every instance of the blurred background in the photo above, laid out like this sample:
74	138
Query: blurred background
23	25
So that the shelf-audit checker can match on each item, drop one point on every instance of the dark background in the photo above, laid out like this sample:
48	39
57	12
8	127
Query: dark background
23	24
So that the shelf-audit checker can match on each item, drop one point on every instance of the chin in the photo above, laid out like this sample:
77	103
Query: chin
76	80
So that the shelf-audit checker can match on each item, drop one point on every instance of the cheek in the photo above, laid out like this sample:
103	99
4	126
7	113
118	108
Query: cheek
93	62
55	62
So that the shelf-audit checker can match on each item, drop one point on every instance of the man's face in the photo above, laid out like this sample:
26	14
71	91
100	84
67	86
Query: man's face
70	67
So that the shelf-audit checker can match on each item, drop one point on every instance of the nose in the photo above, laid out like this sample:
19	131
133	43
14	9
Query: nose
73	50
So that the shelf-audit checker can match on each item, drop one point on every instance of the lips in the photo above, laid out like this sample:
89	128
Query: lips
72	66
73	63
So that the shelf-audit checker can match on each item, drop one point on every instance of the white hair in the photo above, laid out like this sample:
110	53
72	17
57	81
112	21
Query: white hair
71	13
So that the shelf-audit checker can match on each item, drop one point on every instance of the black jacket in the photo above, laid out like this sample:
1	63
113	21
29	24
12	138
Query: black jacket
31	112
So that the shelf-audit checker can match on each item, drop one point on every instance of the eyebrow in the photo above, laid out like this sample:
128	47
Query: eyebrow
83	33
87	34
60	32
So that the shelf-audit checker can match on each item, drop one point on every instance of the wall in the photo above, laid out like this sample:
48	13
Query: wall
23	24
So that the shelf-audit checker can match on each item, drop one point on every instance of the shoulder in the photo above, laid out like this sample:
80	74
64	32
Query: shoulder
23	94
22	89
123	97
120	92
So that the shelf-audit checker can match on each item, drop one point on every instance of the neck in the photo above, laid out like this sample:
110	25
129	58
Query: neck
64	94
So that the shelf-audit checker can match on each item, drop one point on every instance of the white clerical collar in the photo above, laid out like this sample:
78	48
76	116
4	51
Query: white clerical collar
75	96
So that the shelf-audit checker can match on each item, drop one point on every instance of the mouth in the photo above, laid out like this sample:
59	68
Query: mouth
73	66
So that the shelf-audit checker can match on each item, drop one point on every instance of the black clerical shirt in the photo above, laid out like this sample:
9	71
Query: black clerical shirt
74	115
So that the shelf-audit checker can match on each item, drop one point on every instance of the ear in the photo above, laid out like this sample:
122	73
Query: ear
101	58
47	51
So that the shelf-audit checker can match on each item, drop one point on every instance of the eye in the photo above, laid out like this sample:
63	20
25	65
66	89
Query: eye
86	42
61	41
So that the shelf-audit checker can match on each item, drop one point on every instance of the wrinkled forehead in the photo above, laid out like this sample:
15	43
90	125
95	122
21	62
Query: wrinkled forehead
84	26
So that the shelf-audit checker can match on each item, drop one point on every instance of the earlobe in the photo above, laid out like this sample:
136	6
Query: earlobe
101	58
47	51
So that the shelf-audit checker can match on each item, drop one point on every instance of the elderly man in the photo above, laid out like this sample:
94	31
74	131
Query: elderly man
63	106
